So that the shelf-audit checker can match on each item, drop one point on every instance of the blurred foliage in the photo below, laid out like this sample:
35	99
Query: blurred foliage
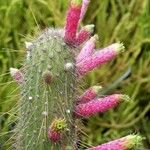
127	21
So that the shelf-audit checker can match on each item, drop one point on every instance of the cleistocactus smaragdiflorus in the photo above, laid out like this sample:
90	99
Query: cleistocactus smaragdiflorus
49	107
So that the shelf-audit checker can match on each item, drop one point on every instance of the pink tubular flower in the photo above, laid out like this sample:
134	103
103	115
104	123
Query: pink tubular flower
88	49
17	75
72	21
84	34
98	58
125	143
99	105
84	8
90	94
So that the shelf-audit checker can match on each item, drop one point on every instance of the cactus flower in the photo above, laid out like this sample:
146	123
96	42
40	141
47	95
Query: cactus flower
17	75
98	58
88	49
72	21
54	136
56	130
84	8
84	34
124	143
99	105
90	94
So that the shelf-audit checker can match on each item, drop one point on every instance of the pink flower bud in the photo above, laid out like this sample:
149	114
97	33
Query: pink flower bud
17	75
125	143
99	105
55	131
88	49
72	21
84	34
98	58
54	136
90	94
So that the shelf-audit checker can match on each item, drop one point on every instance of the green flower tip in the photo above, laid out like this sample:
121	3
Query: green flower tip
134	141
76	2
59	124
97	89
90	28
119	47
125	98
95	38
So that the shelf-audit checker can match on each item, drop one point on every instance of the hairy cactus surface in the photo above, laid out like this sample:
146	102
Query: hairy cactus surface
50	107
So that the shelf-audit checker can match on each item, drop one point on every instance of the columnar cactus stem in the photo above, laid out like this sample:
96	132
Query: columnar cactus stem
49	104
47	89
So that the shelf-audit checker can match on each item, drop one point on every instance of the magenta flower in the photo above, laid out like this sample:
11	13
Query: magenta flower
98	58
17	75
125	143
72	21
55	131
99	105
90	94
88	49
84	34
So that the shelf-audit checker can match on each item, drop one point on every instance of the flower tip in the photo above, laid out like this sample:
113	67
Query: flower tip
119	47
13	71
90	28
97	89
94	38
125	97
76	2
16	75
28	45
134	140
86	1
59	124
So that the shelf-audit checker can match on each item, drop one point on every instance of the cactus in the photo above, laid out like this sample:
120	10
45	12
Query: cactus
50	107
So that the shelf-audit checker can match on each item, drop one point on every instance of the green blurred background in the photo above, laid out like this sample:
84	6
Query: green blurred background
127	21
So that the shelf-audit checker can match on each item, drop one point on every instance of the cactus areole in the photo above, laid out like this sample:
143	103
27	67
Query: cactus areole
49	106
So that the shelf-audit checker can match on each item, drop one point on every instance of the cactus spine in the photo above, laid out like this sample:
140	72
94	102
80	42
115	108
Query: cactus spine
49	105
